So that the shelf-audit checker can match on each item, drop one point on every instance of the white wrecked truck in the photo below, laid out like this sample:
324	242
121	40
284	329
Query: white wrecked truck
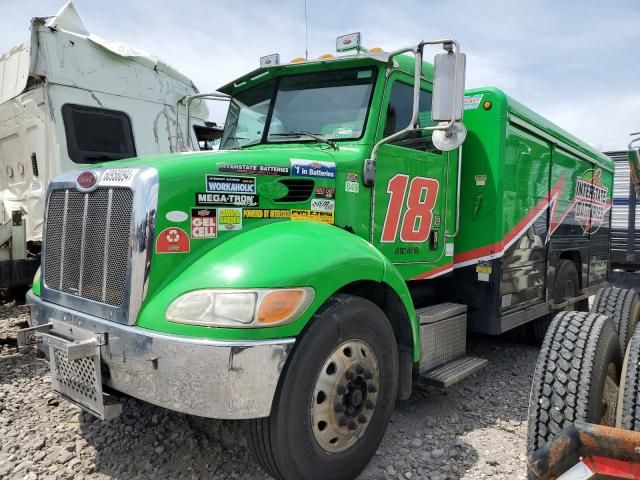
69	98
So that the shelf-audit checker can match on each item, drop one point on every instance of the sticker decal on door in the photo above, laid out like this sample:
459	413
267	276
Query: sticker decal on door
415	223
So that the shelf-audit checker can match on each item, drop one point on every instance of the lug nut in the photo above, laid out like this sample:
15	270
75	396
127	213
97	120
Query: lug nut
371	388
359	370
339	408
350	375
370	405
368	375
362	419
342	389
352	425
342	422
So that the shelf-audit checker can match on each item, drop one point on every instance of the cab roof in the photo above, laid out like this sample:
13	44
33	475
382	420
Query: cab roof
405	63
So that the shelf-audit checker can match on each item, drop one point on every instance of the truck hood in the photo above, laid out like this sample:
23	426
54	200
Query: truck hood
208	198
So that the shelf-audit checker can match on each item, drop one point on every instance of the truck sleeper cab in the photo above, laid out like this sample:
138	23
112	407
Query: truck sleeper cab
301	277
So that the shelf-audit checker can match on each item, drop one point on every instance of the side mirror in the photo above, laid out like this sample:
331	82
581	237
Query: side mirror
448	87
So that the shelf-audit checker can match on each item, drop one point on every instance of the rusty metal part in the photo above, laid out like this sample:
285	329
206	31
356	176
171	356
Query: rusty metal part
582	440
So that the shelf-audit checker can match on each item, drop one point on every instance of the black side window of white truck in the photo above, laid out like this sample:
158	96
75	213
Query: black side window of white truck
96	134
399	115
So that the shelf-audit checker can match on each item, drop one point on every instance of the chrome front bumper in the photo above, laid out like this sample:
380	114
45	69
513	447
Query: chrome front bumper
209	378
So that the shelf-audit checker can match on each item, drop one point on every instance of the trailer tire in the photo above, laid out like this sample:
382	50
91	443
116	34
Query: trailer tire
566	284
576	376
622	305
335	398
628	415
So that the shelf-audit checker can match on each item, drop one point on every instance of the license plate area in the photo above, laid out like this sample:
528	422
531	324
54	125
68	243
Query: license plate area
75	366
78	379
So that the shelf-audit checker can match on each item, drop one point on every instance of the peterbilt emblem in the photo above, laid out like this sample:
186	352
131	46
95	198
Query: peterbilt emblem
86	180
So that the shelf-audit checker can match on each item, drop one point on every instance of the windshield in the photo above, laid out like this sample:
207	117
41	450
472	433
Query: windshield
331	104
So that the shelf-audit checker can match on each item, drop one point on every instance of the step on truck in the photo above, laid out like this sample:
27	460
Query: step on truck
344	240
68	99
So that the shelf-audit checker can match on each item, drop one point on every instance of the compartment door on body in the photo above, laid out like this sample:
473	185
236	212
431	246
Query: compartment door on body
410	184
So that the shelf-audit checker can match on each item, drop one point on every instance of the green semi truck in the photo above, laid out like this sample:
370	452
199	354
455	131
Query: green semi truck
349	233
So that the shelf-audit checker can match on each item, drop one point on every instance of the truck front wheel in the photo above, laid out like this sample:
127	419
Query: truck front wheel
335	398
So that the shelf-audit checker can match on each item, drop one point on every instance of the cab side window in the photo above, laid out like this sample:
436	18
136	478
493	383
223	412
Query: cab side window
399	115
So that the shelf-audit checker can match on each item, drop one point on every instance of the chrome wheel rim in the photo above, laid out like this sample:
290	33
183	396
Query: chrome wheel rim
345	396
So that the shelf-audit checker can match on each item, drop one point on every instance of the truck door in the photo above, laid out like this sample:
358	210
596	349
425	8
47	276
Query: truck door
411	182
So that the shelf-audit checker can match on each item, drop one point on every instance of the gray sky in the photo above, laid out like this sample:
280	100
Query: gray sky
573	61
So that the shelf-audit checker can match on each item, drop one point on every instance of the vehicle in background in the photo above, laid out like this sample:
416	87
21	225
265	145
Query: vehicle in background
70	99
625	216
584	409
341	244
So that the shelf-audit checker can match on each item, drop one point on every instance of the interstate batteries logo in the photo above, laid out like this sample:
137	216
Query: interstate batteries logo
591	202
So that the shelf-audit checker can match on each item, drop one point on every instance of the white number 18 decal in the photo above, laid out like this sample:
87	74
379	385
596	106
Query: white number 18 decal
417	218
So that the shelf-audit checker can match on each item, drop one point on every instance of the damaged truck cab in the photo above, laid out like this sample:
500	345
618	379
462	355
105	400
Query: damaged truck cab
332	250
70	99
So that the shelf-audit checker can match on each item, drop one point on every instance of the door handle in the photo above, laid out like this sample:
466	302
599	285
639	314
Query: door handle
433	240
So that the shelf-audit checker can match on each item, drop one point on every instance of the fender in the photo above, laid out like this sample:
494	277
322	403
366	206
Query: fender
282	254
393	278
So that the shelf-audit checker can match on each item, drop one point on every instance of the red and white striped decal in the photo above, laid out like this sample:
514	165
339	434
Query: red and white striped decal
497	250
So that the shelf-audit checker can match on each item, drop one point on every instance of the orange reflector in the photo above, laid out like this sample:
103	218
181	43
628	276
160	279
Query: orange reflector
279	305
298	60
487	105
376	50
326	55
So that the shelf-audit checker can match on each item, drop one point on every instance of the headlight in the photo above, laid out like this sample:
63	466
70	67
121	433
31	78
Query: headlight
240	308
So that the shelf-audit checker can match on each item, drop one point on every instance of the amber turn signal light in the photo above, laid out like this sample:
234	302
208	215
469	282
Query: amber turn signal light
279	305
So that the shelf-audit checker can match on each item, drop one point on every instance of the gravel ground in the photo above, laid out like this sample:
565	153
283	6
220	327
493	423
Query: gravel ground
474	430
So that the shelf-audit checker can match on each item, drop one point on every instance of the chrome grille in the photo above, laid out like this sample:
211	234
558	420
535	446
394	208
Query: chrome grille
87	243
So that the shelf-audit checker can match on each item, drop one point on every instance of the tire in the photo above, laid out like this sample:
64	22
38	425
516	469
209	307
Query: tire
294	443
622	305
628	416
580	355
566	284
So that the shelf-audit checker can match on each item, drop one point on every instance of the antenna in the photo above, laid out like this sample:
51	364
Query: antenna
306	33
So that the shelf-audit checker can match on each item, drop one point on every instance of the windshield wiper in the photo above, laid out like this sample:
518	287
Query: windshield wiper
300	133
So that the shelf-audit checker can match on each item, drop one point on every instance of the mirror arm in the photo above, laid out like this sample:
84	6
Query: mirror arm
458	189
634	140
186	100
369	168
